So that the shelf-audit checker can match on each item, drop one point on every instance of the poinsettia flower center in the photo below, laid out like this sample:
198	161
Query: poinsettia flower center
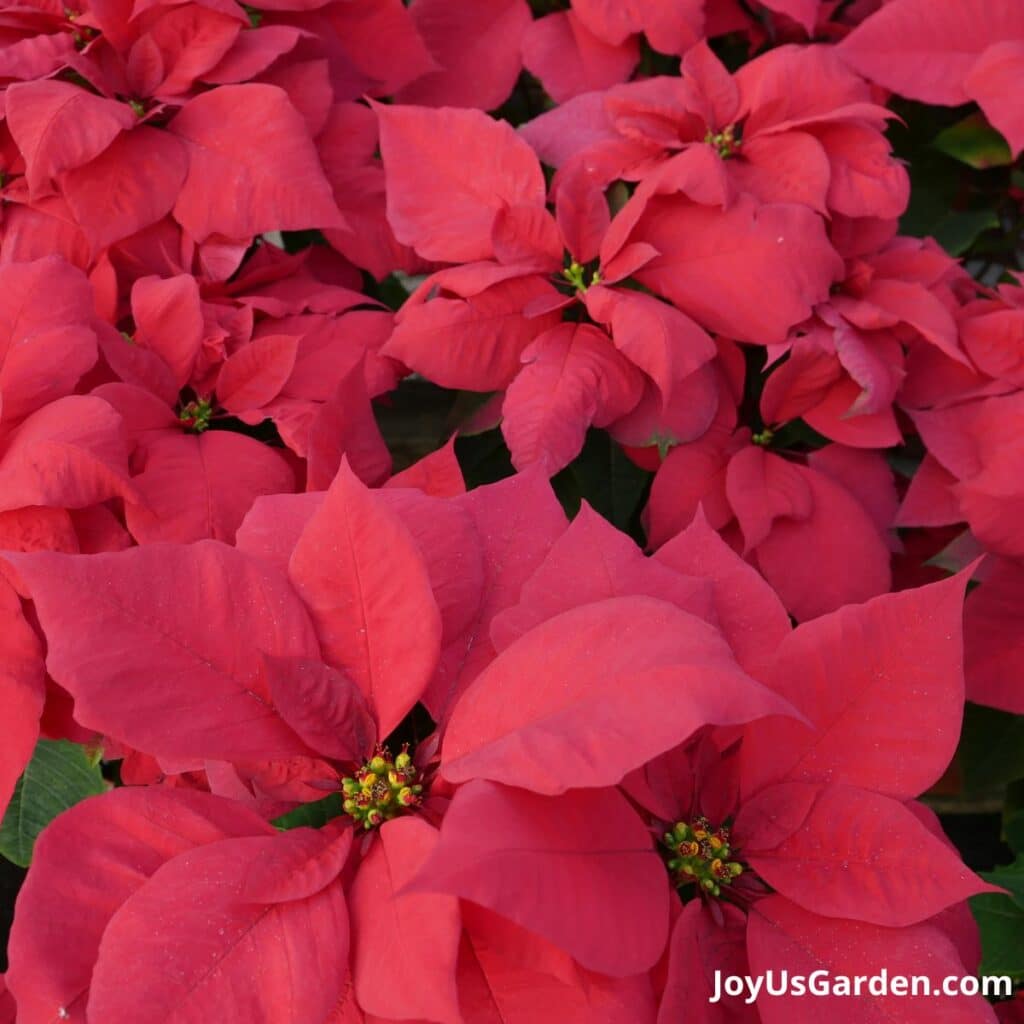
195	416
726	142
383	788
81	35
701	856
576	274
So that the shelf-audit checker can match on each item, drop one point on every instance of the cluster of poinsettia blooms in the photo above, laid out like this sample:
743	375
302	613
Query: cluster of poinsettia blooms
571	780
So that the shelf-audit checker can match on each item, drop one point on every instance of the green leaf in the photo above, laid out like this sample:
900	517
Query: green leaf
396	288
312	815
607	479
991	748
483	458
952	557
973	141
903	463
1014	831
1001	923
798	434
957	231
1009	877
932	194
60	775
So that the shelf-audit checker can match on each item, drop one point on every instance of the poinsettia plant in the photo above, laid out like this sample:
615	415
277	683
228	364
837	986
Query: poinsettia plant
510	511
613	695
